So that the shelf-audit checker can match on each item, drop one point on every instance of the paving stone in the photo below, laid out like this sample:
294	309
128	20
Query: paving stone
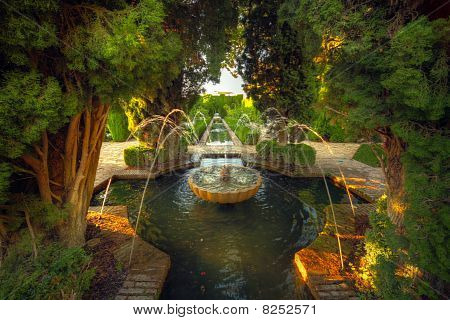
128	284
140	277
326	287
131	291
148	284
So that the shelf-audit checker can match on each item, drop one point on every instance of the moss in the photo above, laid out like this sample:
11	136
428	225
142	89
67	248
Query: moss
366	155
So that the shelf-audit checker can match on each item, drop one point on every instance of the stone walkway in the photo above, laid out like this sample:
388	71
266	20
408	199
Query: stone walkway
149	266
319	264
111	159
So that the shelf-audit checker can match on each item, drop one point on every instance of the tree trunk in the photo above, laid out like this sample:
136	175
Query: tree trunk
394	175
72	168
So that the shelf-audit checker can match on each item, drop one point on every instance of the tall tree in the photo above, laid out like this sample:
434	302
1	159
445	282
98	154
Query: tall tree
272	64
63	63
385	65
205	28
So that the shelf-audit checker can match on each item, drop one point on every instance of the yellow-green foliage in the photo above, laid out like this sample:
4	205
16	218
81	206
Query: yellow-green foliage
118	124
388	271
244	119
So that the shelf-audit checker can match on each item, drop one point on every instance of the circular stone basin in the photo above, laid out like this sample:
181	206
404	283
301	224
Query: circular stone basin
225	184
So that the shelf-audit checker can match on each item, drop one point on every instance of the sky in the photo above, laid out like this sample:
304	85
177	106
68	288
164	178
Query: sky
227	83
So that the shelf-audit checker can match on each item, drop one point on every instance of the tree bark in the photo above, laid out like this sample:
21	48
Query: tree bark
73	168
394	174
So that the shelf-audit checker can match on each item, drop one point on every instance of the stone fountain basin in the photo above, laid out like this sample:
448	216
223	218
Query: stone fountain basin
239	194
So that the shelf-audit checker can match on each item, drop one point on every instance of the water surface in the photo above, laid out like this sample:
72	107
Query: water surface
240	251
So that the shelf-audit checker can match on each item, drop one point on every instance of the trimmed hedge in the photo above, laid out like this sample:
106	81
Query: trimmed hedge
299	154
118	124
138	156
143	156
366	155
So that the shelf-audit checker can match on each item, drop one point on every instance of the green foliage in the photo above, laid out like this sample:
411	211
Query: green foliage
390	76
5	173
138	156
30	104
247	135
273	63
427	215
245	120
143	156
328	129
57	273
118	124
209	104
299	154
366	155
387	270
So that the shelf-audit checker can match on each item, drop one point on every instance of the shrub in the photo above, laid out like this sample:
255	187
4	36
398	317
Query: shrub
299	154
326	126
385	271
366	155
118	124
142	156
266	147
57	273
199	128
137	156
247	135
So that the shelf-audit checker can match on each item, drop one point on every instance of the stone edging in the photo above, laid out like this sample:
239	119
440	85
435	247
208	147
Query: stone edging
306	172
149	266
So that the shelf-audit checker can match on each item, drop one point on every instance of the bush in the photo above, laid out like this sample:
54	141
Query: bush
142	156
57	273
299	154
118	124
199	128
247	136
366	155
385	271
328	129
138	156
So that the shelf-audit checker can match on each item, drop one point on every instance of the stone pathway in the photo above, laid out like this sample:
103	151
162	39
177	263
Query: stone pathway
149	266
111	159
319	264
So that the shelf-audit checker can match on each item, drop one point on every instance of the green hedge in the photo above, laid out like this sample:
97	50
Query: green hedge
199	128
246	135
299	154
118	124
142	156
137	156
366	155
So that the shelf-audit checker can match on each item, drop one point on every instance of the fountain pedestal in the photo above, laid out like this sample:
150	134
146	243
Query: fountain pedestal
225	184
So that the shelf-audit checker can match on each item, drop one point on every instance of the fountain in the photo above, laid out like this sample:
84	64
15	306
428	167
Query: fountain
225	184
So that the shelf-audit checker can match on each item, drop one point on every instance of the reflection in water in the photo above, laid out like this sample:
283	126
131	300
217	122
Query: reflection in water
240	251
